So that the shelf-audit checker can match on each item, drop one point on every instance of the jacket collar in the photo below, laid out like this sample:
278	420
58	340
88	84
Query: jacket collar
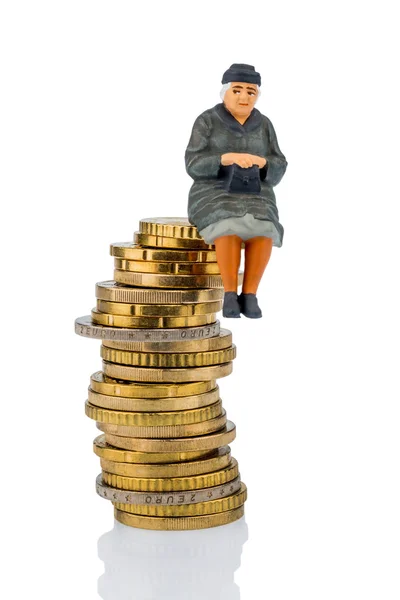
251	123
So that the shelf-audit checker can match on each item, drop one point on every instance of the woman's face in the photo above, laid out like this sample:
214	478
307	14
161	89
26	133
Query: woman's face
240	98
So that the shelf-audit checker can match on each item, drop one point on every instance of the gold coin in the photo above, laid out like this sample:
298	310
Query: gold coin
219	342
218	506
189	444
158	310
153	405
168	281
99	382
104	450
151	322
140	419
175	227
137	266
131	251
220	459
166	375
158	241
116	292
165	431
168	360
173	484
181	524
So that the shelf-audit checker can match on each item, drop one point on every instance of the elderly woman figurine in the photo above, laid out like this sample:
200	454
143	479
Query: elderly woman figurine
235	161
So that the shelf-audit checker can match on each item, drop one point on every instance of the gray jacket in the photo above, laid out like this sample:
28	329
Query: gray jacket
216	132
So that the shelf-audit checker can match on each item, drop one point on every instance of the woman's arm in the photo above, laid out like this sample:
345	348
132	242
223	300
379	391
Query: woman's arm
200	162
276	165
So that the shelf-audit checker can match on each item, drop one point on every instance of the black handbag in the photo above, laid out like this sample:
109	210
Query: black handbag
240	180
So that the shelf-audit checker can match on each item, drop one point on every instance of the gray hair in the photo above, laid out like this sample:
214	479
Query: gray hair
226	87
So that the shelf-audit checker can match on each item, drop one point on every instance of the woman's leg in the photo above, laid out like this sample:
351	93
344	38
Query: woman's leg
228	248
257	254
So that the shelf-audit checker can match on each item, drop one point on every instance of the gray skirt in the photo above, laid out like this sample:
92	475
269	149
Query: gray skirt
245	227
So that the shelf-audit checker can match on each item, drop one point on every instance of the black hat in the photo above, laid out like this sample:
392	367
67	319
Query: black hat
240	72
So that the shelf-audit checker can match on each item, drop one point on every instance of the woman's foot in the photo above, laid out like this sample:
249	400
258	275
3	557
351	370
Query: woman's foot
249	306
231	307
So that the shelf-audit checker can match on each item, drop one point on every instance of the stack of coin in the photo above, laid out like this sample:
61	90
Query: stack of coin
164	452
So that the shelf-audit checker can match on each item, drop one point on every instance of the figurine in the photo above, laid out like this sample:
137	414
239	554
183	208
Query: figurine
234	159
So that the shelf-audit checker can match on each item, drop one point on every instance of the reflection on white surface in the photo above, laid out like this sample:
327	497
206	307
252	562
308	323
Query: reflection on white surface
141	564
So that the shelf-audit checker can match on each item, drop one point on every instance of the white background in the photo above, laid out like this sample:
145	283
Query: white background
97	104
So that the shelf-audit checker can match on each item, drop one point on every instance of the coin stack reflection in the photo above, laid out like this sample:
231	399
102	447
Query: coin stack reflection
164	453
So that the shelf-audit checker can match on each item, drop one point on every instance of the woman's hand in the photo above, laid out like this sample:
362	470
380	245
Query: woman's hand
243	160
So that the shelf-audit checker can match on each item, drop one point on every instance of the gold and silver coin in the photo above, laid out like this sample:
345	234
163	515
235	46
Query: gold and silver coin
170	498
87	328
220	341
219	505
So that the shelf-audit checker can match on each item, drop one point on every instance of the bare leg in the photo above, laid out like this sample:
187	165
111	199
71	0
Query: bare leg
257	254
228	248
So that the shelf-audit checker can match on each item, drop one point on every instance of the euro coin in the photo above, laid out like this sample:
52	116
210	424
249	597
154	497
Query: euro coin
173	268
165	431
131	251
190	444
158	310
182	524
117	292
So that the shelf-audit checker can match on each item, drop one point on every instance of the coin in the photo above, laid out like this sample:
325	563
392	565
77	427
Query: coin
168	360
140	419
131	251
104	450
220	459
158	241
166	375
84	326
182	524
173	268
169	498
189	444
152	322
175	227
116	292
219	505
173	484
219	342
99	382
165	431
158	310
153	405
168	281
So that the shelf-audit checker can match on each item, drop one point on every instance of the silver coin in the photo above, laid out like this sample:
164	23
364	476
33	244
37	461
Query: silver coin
167	498
85	327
